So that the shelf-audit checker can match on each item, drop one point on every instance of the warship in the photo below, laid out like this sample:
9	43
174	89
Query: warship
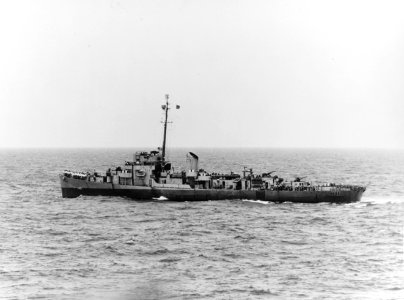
150	176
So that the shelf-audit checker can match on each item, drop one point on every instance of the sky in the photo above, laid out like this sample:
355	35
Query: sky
245	73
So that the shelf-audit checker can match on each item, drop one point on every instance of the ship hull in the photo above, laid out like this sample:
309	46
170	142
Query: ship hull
72	188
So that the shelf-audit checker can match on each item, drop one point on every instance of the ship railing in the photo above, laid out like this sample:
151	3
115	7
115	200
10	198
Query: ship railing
76	175
338	187
330	187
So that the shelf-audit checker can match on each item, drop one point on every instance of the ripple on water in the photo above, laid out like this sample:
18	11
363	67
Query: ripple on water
112	248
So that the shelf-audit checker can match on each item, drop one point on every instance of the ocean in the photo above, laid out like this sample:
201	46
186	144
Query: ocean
118	248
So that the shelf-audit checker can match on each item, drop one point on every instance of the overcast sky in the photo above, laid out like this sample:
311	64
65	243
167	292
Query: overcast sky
246	73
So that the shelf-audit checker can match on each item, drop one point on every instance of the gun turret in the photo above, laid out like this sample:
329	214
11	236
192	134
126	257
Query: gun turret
298	179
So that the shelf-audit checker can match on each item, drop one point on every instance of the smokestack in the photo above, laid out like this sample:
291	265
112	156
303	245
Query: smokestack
192	161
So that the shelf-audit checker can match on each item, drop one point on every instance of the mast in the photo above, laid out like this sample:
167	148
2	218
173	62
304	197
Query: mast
165	107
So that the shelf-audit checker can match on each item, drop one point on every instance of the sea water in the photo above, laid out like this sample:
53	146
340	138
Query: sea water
118	248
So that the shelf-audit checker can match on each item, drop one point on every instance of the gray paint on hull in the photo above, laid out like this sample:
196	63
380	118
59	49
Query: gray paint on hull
72	188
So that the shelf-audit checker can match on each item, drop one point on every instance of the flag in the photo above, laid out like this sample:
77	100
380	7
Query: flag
163	107
177	107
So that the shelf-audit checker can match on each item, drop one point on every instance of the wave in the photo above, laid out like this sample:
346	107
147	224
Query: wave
260	292
156	252
161	198
382	200
256	201
299	243
170	260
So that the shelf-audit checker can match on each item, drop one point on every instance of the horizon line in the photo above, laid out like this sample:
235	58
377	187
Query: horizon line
204	147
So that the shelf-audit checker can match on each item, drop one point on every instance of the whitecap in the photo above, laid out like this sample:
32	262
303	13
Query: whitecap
256	201
161	198
382	200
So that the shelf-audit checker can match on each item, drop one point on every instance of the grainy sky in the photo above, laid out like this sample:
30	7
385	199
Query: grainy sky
246	73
